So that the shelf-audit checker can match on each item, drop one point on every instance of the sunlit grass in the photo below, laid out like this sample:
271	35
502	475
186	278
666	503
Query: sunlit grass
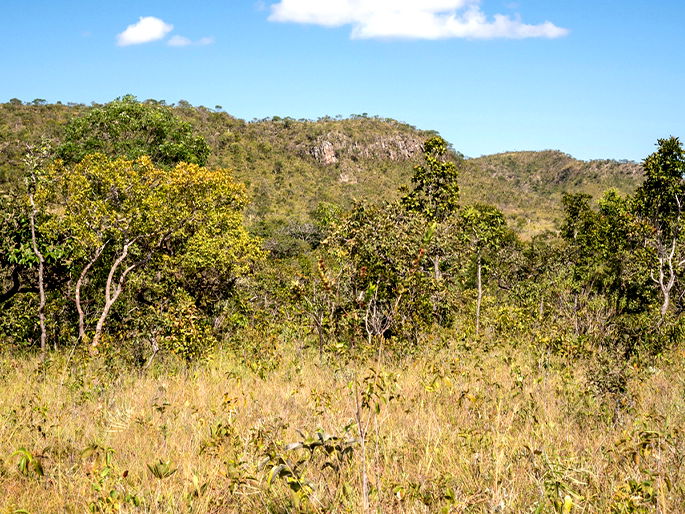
455	429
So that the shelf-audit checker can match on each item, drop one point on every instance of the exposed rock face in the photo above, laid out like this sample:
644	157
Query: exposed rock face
324	152
335	146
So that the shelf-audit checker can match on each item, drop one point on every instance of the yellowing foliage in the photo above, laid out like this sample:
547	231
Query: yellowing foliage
120	218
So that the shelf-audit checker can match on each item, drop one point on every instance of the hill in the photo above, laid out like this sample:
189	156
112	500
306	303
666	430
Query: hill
292	165
528	186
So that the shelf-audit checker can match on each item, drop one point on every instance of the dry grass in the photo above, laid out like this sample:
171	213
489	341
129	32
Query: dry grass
504	430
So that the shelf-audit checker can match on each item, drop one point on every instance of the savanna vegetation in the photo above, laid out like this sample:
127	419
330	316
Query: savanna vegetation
202	314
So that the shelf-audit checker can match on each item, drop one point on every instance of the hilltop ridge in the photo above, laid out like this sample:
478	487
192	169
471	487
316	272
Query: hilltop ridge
290	165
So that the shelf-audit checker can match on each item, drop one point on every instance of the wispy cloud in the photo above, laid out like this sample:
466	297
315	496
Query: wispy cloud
179	41
146	30
411	19
184	41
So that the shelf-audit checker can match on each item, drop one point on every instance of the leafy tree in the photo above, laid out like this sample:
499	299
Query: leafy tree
436	191
392	287
35	159
128	128
660	202
435	197
123	218
484	230
660	197
610	266
29	261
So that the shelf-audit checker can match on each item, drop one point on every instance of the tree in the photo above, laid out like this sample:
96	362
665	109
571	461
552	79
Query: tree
484	229
123	217
435	197
660	202
29	261
608	263
128	128
436	191
389	274
35	159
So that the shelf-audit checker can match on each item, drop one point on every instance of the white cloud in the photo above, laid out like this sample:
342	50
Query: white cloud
412	19
179	41
146	30
184	41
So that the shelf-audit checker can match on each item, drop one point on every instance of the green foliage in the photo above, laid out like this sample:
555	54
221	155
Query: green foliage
660	197
626	256
130	220
606	249
436	191
28	464
18	261
388	278
659	202
634	497
185	331
161	469
293	464
130	129
124	265
484	228
110	495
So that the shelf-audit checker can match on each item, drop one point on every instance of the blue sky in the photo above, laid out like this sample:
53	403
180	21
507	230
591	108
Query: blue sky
599	80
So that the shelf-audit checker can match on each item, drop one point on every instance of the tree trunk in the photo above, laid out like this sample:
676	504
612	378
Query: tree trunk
112	295
77	294
667	276
41	274
436	268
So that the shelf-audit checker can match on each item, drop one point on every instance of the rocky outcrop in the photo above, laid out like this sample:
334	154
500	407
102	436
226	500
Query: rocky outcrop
324	152
335	146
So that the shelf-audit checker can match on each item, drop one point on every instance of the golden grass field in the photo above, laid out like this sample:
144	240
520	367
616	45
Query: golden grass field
454	429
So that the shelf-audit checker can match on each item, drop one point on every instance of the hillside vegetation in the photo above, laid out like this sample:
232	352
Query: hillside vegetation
290	166
529	186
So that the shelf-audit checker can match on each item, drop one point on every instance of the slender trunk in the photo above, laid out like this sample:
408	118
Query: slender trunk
41	274
480	294
666	283
436	268
111	295
541	309
77	294
320	329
